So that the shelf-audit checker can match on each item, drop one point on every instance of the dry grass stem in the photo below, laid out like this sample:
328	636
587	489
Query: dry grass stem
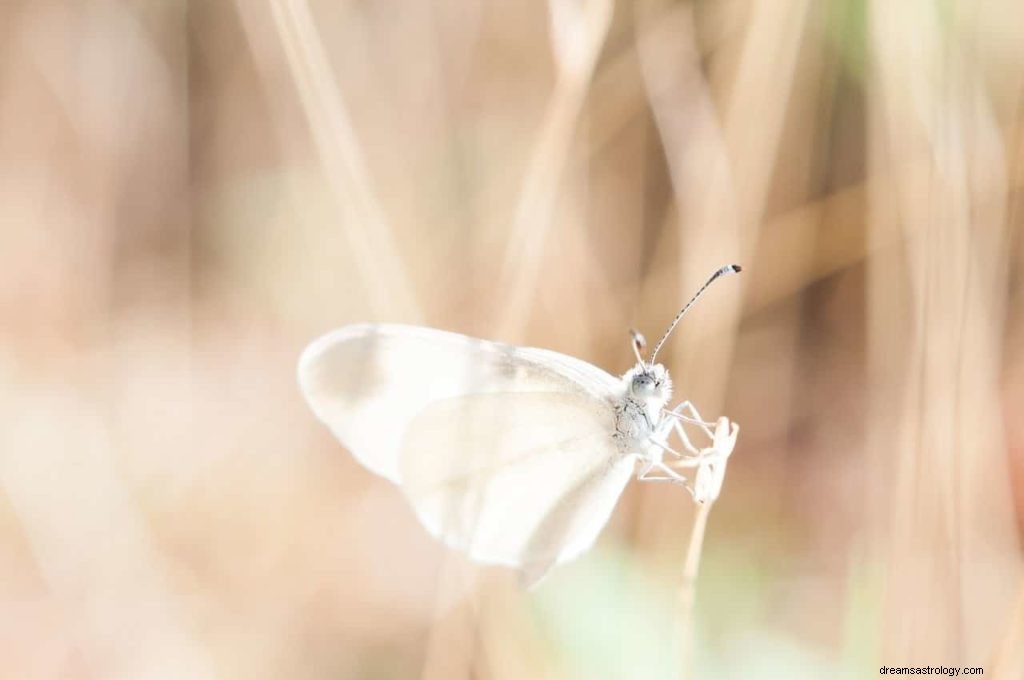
688	589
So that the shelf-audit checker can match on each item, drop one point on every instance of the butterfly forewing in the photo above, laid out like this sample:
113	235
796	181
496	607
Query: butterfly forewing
368	382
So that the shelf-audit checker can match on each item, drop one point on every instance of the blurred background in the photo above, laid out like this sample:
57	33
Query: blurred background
192	191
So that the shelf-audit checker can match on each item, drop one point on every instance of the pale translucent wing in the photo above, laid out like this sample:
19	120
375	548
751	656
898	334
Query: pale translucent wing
368	382
521	479
577	519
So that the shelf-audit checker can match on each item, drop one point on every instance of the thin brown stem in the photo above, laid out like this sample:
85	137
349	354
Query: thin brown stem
688	588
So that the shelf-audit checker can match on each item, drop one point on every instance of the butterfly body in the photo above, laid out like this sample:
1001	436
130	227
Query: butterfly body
633	425
646	391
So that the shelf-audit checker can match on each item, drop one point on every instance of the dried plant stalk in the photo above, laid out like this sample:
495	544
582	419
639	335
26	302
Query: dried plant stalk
688	588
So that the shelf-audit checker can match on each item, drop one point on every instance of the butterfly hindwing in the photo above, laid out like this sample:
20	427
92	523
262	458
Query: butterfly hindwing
522	479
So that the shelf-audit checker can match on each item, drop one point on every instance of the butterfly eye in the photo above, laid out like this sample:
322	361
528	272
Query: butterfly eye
643	386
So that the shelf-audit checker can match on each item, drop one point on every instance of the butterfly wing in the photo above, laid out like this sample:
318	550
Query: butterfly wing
367	382
504	452
526	480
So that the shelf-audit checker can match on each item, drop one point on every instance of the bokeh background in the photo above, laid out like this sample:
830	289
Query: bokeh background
192	190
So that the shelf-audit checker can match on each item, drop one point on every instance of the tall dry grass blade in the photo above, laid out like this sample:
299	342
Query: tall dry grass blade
936	305
578	30
382	273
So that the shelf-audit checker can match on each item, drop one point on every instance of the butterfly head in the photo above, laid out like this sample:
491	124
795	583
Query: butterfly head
647	382
650	384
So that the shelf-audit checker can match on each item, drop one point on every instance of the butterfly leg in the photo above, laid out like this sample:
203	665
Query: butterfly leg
685	461
686	412
668	449
650	471
667	475
671	424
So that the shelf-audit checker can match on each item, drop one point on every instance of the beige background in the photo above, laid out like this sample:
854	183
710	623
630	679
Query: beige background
191	191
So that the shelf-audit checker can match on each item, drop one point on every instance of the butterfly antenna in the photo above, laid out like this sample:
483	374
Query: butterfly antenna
638	343
728	269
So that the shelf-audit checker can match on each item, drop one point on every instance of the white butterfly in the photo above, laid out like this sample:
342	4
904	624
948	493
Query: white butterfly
514	455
